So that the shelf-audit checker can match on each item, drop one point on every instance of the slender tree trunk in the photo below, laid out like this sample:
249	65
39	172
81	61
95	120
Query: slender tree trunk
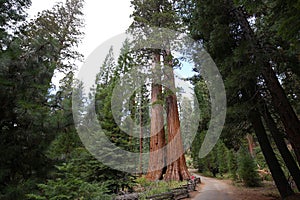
157	132
276	171
250	145
176	168
141	135
282	147
133	112
284	108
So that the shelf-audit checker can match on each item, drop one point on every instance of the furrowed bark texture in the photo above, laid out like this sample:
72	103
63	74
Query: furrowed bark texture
157	132
176	169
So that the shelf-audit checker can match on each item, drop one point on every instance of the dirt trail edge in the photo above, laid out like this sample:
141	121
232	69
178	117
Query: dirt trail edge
214	189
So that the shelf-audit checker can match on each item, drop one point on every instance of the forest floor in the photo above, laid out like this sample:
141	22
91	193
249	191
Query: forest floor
217	189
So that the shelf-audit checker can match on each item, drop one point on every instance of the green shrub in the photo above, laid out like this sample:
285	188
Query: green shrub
67	186
156	187
70	188
247	169
143	182
232	164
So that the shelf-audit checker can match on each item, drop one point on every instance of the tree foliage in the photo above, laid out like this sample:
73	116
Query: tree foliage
30	54
254	56
247	169
255	45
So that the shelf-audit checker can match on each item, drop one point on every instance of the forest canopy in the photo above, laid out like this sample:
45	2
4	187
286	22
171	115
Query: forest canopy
252	46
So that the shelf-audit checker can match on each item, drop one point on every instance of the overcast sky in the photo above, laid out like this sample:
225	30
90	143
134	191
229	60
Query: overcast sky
103	18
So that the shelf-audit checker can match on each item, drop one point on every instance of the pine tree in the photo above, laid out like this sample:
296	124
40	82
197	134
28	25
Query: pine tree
279	178
232	164
186	113
28	62
144	16
277	93
247	169
143	118
106	82
222	160
66	138
286	15
12	15
80	177
282	147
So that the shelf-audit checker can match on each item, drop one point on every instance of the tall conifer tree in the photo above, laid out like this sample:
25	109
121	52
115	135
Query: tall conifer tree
161	14
241	50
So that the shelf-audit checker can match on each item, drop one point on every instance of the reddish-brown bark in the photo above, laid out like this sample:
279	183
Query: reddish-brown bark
251	144
176	168
157	132
174	158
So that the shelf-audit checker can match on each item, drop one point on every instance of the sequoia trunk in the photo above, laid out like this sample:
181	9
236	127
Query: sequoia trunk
157	132
176	168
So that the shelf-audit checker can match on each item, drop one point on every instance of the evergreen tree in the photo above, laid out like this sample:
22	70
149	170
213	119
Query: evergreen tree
268	61
286	15
222	152
79	178
282	147
247	169
241	50
143	118
232	164
12	15
186	120
66	138
107	80
28	63
79	174
145	14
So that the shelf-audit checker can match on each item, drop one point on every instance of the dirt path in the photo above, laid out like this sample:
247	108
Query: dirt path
215	189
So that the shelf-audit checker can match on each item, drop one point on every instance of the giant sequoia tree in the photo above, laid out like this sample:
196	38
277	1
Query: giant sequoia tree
161	14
